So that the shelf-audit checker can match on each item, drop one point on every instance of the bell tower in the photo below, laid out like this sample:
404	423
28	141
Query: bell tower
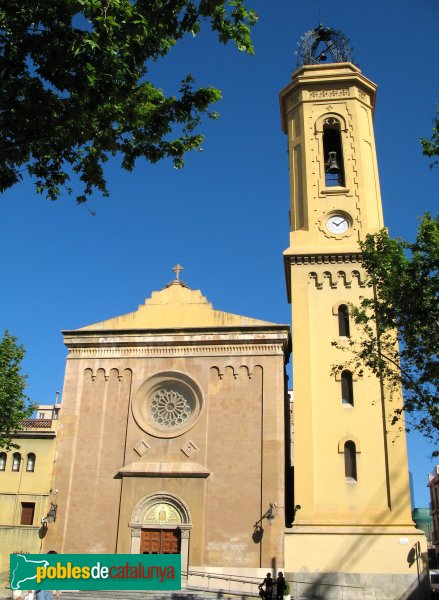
352	525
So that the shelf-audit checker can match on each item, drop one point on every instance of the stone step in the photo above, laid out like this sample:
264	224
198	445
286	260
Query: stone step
191	594
131	595
138	595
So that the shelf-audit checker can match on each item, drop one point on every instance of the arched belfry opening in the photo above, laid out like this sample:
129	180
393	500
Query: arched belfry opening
333	153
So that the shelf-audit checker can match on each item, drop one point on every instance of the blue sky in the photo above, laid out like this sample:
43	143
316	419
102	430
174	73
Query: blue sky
224	217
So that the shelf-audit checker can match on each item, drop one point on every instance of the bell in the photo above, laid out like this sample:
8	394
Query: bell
332	166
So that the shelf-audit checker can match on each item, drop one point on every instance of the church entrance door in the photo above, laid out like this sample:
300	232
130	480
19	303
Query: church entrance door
160	541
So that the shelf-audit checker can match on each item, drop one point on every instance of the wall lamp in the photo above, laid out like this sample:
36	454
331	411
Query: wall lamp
51	515
269	514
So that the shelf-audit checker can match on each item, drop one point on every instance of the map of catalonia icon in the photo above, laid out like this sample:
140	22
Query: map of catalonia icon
24	571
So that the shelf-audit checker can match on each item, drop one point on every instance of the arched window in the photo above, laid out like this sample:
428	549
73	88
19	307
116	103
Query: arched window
30	465
16	460
347	391
343	321
3	458
350	461
333	153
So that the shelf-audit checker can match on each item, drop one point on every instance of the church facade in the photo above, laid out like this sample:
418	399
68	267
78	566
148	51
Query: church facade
173	436
176	418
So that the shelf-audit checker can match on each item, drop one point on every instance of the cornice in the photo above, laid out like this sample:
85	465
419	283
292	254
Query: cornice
142	343
186	331
372	529
160	350
34	434
317	259
320	82
139	469
320	259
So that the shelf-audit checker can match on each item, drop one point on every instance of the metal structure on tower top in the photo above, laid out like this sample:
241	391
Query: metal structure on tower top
323	44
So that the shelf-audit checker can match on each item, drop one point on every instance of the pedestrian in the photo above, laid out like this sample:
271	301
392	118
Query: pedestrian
22	595
280	586
47	594
266	593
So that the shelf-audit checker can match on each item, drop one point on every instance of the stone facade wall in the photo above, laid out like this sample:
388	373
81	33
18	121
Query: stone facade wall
225	467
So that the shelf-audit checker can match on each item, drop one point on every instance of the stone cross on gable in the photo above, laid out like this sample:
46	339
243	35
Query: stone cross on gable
177	270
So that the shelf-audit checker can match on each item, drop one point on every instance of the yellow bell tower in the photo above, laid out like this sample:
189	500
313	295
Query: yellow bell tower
352	531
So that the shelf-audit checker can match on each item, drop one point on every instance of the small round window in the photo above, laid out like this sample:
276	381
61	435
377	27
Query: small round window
167	404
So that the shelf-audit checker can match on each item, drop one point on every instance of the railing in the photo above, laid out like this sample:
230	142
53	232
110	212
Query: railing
306	590
248	586
37	423
223	583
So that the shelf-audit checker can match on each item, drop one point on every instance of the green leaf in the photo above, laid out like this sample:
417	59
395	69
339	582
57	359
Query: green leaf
404	308
87	84
14	404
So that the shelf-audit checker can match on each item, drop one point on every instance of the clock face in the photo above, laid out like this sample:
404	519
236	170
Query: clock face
338	223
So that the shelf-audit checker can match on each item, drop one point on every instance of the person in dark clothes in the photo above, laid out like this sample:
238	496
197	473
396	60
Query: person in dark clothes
280	586
266	593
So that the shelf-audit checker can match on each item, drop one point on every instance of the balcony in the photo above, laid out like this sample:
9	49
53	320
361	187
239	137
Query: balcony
29	424
37	428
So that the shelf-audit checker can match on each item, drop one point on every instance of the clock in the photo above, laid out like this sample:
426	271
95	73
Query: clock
338	223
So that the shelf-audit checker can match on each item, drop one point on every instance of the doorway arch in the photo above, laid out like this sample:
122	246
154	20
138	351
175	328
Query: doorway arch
163	512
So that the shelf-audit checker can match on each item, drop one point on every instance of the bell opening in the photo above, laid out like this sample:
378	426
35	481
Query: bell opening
333	155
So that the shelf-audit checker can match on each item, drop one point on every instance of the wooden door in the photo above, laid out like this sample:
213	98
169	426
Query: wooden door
160	541
150	543
170	541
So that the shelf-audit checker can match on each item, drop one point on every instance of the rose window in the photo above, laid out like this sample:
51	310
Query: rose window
167	404
169	408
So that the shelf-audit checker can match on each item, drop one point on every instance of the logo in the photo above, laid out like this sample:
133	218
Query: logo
95	571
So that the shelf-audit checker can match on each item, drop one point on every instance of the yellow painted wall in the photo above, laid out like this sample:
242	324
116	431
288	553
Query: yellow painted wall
26	486
343	525
374	550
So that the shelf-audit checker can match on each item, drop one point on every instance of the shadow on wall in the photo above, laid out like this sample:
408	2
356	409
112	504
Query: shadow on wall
42	531
258	534
323	587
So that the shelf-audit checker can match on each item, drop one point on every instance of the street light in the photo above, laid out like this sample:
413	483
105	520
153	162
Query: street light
269	514
51	515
